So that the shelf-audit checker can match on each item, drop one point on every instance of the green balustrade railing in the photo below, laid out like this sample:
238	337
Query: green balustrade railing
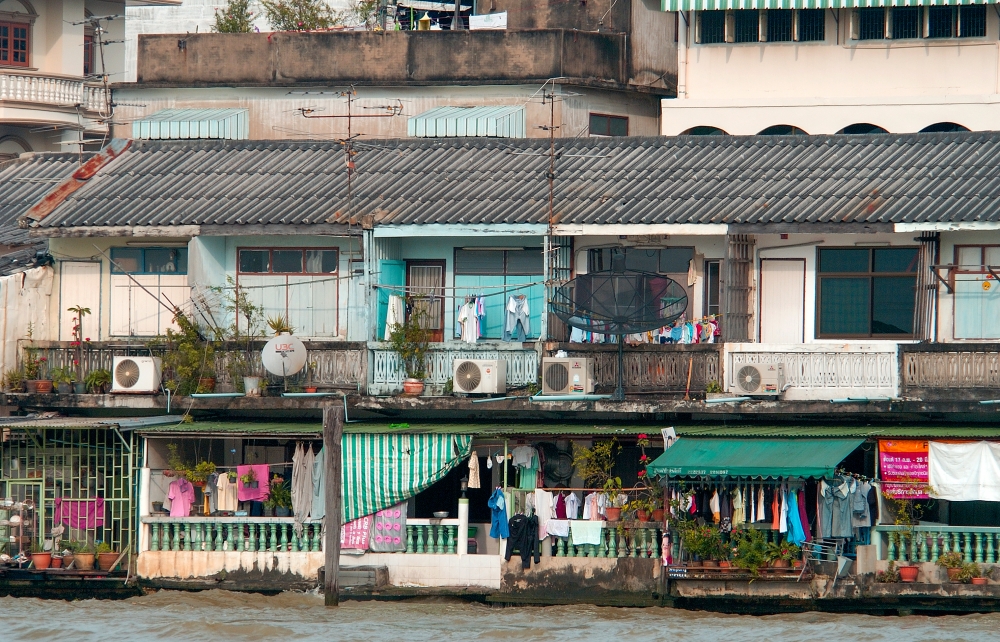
927	542
238	534
637	541
434	537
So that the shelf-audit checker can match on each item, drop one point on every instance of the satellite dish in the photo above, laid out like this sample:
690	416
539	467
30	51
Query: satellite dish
283	355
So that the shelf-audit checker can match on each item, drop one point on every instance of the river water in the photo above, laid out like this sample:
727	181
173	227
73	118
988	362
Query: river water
219	616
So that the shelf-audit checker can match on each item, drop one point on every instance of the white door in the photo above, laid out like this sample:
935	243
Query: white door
782	300
80	285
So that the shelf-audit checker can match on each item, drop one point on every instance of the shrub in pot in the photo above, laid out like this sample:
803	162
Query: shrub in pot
952	563
749	549
83	557
97	381
40	558
106	557
411	341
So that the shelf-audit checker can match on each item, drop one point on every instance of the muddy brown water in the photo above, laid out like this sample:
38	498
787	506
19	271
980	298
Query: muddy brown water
219	616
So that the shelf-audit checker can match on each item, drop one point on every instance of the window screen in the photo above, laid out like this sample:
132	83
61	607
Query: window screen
525	262
255	261
152	260
972	21
940	22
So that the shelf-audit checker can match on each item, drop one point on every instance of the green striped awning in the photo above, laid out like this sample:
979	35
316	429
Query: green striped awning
383	470
719	5
691	456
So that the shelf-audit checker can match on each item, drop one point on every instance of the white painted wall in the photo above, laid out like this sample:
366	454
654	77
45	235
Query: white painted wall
821	87
946	301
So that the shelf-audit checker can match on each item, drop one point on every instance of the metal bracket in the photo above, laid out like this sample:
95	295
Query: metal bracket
947	284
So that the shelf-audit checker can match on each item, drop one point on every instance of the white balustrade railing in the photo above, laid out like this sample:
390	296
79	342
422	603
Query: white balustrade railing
386	374
822	371
43	89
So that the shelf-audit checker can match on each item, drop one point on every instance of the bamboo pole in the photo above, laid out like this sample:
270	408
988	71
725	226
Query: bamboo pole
333	431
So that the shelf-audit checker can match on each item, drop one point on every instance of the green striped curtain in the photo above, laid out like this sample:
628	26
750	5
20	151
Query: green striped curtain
715	5
383	470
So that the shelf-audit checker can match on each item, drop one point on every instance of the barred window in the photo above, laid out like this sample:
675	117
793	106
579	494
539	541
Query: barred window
972	21
747	23
871	24
779	25
940	22
906	22
811	25
713	27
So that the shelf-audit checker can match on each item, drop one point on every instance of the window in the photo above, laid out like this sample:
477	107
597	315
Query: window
906	22
779	25
713	289
145	284
977	292
811	25
671	260
500	274
712	27
746	23
972	21
603	125
852	280
871	24
14	44
88	55
940	22
297	283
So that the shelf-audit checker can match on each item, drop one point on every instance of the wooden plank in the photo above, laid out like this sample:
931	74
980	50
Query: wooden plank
333	431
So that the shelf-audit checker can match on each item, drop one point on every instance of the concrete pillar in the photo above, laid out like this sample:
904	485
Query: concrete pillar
867	557
144	474
463	527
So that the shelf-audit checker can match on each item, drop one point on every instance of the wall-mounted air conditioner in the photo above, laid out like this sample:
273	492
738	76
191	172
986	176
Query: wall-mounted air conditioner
479	376
761	379
567	376
136	374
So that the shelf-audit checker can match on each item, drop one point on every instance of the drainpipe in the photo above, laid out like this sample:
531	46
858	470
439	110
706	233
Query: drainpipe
682	53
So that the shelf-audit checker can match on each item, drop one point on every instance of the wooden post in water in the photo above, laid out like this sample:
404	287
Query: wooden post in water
333	432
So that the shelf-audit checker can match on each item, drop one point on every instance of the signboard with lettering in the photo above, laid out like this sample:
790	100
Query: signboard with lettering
903	465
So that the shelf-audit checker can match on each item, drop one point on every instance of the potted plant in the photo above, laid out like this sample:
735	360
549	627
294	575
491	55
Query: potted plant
279	325
68	546
782	554
13	381
189	359
907	515
33	367
83	557
888	576
952	563
279	499
97	381
40	558
78	339
106	557
749	549
63	378
612	491
411	341
249	479
714	391
976	573
704	544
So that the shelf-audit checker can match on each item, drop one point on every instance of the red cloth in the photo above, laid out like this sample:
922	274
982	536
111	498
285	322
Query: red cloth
263	489
560	506
803	518
79	513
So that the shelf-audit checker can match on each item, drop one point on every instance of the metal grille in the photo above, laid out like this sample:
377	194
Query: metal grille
713	27
972	21
77	466
560	270
747	22
738	289
941	22
811	25
871	24
906	22
779	25
556	376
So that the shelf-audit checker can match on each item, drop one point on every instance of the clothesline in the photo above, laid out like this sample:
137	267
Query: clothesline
430	290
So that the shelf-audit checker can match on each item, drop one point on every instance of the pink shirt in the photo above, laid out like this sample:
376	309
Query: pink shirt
181	497
259	494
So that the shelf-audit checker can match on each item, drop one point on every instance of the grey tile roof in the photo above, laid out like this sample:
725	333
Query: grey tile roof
887	178
23	182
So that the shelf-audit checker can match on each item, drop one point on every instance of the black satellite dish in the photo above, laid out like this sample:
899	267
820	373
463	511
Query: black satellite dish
619	303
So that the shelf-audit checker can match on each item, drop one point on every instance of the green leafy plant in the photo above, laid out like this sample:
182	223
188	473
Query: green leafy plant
595	464
103	548
749	549
951	560
783	551
13	380
33	364
62	375
299	15
968	572
279	494
279	324
98	380
411	341
188	357
235	17
197	473
888	576
705	542
248	477
713	387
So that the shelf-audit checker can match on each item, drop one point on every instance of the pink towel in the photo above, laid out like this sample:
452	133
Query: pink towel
79	513
263	489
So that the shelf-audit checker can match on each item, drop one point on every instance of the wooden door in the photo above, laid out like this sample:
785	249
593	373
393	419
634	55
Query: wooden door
425	280
782	300
80	284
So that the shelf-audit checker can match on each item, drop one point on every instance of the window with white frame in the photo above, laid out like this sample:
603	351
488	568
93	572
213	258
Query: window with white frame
977	291
300	284
146	284
760	25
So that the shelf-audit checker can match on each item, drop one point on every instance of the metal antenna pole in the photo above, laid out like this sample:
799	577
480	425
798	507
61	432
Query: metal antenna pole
620	390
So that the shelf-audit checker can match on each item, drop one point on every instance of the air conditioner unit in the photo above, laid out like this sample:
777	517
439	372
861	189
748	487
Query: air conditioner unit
473	376
761	379
136	374
567	376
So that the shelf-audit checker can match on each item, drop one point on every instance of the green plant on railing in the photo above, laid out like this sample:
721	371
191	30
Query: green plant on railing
279	325
704	542
953	559
103	548
33	364
411	341
13	380
906	510
783	551
279	494
97	381
888	576
713	387
62	375
968	572
188	357
749	549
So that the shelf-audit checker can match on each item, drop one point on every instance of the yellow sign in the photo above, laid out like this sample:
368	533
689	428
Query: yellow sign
986	286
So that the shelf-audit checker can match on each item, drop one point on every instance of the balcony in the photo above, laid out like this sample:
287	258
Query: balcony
50	90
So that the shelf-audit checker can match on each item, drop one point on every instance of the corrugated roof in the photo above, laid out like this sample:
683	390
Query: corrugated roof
23	182
225	123
883	178
502	121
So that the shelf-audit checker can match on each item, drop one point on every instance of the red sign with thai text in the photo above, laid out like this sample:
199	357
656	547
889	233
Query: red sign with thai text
903	465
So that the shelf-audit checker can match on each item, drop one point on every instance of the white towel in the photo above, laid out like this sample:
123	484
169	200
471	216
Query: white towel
558	527
587	531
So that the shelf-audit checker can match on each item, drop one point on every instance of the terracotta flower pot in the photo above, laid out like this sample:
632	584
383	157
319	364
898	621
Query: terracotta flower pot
725	564
105	561
909	574
953	573
612	514
413	387
41	561
43	386
658	515
207	384
710	563
57	562
979	581
312	389
67	560
642	515
781	564
84	561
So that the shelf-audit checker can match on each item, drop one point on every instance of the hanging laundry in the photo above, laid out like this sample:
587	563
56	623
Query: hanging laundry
181	496
572	506
543	510
524	539
225	494
474	470
796	534
395	314
468	322
517	323
498	519
389	530
302	483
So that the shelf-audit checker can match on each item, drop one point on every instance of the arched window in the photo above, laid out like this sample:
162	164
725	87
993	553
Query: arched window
862	128
782	130
938	128
704	130
12	147
16	19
